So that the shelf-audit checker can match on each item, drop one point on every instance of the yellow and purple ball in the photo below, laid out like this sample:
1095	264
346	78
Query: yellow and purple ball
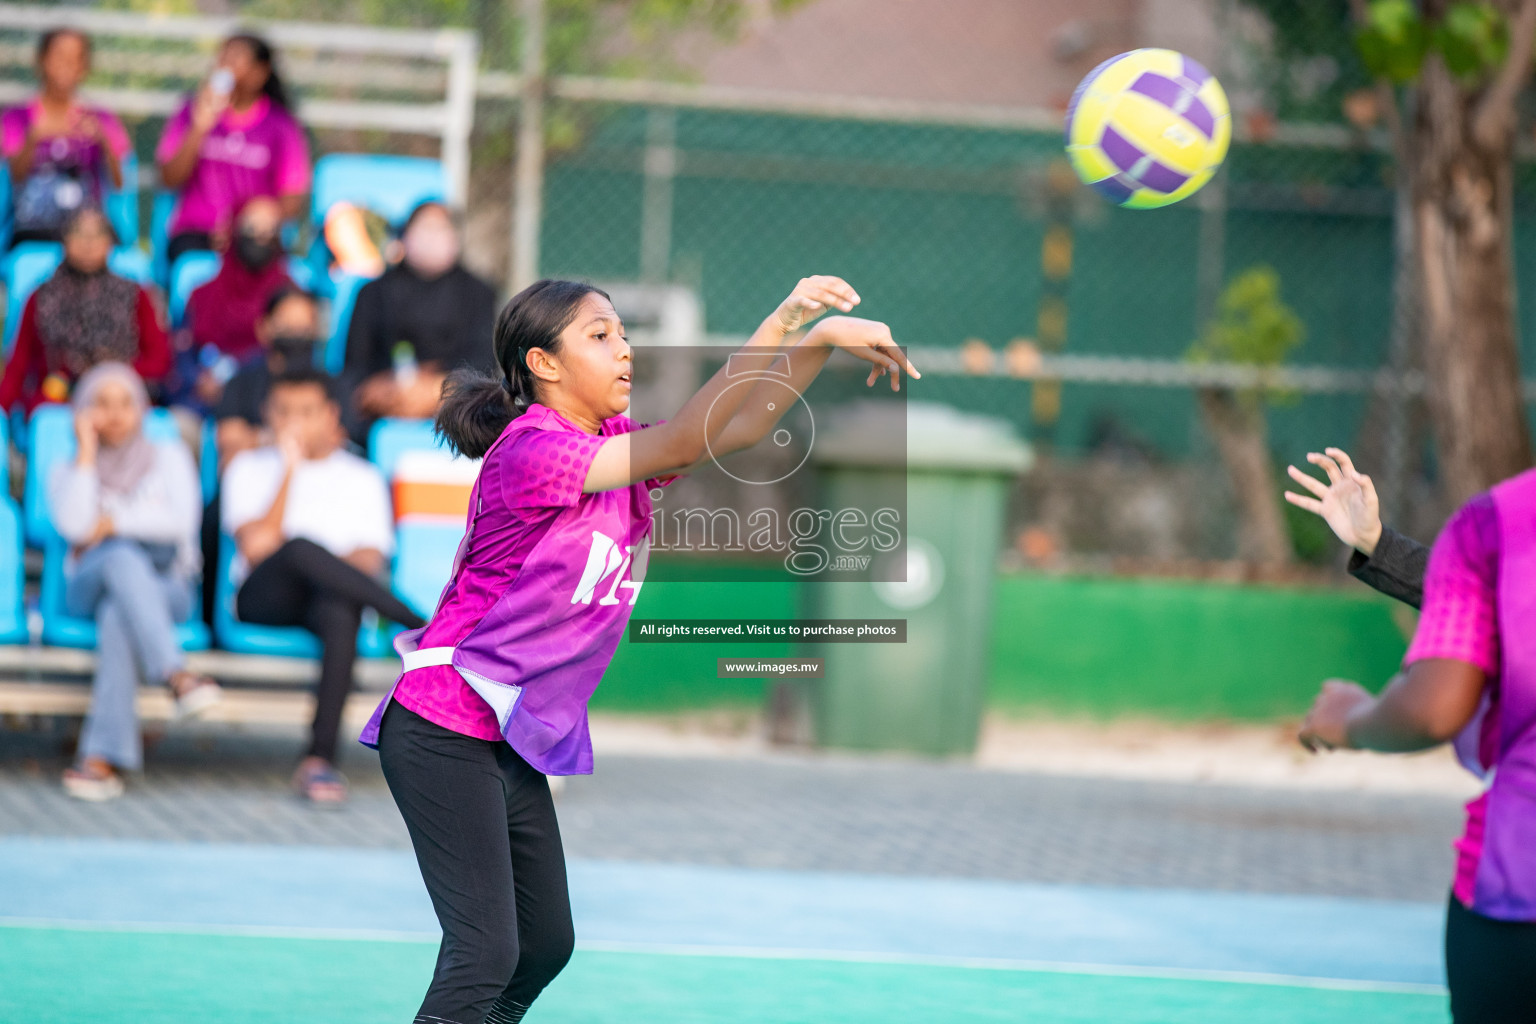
1148	128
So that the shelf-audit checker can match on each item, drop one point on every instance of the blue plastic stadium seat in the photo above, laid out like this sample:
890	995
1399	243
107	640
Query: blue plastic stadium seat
5	204
52	442
13	615
192	270
344	289
163	205
122	204
424	553
391	438
424	549
27	266
391	186
208	458
133	263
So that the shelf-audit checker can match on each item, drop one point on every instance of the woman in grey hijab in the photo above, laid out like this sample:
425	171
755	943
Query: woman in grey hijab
130	508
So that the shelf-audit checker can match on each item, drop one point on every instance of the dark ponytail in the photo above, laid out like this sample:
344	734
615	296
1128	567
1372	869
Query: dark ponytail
476	408
261	50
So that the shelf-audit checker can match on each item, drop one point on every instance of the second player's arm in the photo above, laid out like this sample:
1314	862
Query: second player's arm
1420	709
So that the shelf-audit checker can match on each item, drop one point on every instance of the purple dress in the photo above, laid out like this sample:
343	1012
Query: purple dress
542	588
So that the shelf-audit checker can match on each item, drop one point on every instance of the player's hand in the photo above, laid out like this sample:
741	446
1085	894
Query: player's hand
871	341
1327	725
1347	503
812	297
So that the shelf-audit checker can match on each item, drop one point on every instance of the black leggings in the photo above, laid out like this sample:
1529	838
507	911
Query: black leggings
1491	967
303	584
483	825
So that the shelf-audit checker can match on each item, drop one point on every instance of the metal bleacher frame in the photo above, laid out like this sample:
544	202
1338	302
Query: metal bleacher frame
38	680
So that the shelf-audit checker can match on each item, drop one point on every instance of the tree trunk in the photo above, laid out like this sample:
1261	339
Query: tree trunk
1242	438
1462	209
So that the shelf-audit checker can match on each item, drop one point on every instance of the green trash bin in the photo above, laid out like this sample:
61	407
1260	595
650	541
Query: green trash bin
924	695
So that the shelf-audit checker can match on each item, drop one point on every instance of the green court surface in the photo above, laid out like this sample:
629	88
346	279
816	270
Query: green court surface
68	976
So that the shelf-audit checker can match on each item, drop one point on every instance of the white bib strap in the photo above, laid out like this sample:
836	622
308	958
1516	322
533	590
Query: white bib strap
427	656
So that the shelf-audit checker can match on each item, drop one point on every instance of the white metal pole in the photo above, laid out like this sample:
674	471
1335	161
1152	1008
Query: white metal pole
528	180
459	99
656	208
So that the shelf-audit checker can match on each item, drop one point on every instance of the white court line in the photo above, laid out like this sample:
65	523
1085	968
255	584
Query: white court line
764	953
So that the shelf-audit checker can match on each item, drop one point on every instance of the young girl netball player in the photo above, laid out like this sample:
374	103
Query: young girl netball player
494	694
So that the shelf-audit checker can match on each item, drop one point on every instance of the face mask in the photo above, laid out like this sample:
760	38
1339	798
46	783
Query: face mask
257	253
294	349
431	252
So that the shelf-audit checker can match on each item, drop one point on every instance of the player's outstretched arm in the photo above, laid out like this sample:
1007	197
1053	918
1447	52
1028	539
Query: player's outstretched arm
686	438
1421	708
869	340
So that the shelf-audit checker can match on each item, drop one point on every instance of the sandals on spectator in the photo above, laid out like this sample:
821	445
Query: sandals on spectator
93	779
318	781
194	693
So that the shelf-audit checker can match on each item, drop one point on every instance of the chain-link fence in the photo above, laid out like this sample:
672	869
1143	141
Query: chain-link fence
961	226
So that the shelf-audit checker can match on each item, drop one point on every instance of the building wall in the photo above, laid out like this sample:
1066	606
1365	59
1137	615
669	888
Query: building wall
1004	52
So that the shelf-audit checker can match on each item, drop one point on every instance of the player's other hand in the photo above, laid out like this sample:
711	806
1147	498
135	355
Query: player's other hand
870	340
1327	725
1347	503
812	297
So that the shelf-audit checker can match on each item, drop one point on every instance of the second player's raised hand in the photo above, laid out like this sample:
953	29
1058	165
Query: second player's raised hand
1348	502
871	341
812	297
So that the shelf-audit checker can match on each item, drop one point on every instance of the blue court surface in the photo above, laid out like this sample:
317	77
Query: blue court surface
108	930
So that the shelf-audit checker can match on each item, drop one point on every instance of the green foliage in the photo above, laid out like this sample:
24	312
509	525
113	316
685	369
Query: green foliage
1311	33
1252	324
1472	38
1393	40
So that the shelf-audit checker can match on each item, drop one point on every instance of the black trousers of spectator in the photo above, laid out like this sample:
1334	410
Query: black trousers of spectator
483	824
1491	967
303	584
186	241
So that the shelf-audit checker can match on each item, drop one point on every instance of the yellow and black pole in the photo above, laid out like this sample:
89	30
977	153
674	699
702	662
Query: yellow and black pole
1055	276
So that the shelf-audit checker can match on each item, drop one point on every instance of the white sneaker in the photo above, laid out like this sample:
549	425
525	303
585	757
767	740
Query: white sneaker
87	781
196	695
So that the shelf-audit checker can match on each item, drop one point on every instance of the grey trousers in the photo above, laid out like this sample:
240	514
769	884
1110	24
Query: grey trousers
136	609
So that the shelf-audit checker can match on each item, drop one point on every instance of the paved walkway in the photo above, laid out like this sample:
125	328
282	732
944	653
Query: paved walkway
806	812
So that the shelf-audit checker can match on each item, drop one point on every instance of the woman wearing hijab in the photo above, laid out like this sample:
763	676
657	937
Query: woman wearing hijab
422	319
62	153
129	508
83	315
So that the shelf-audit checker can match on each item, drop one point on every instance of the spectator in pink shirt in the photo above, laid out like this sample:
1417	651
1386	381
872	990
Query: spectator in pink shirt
63	154
236	139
